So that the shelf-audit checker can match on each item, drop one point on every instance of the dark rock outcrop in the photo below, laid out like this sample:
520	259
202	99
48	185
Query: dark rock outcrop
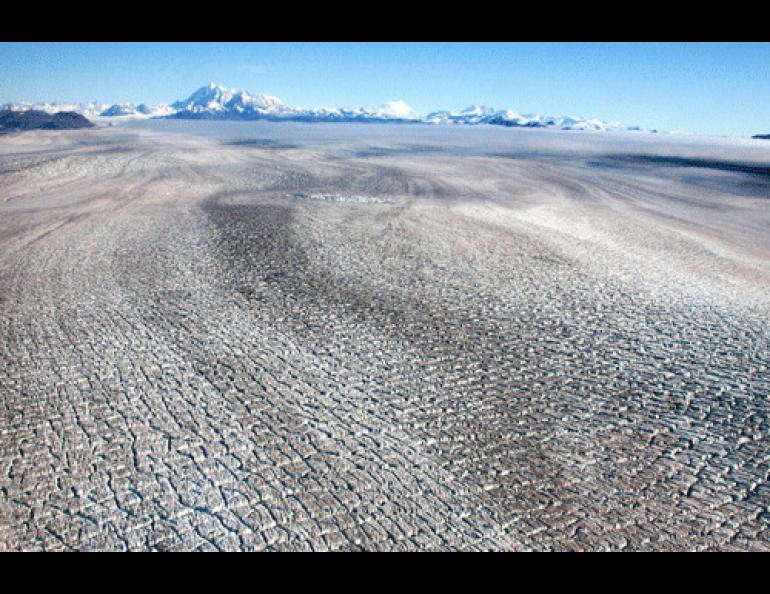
34	120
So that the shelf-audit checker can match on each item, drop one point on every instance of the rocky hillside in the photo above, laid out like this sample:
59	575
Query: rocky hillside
34	119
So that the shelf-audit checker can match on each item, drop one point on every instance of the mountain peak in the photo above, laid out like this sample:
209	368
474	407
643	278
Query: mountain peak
214	101
216	98
477	109
397	110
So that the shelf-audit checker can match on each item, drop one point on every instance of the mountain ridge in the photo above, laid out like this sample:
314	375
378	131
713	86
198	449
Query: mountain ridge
214	101
32	119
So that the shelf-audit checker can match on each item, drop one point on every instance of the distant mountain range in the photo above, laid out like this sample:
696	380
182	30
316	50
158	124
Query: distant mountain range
219	103
141	110
215	102
36	119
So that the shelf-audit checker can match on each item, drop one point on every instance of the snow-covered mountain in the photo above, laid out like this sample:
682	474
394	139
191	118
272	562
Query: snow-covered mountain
89	110
129	110
95	110
480	114
475	114
216	102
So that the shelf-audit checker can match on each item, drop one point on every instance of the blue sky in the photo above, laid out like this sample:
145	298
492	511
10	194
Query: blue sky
719	88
